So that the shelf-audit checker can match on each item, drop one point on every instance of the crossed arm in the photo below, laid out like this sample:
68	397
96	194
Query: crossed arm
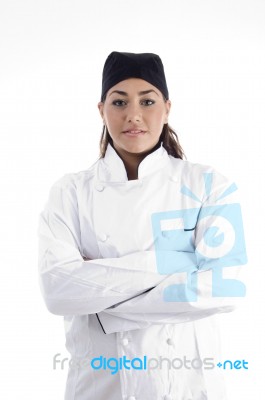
128	292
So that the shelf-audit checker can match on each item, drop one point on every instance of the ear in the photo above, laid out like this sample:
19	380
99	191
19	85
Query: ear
100	107
168	107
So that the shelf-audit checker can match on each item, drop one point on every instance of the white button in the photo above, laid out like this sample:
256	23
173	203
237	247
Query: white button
170	341
166	397
125	342
174	178
131	398
103	237
99	187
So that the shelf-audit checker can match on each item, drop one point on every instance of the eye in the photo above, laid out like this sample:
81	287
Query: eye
147	102
119	103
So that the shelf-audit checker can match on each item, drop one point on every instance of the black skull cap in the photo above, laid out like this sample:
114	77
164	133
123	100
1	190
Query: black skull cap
120	66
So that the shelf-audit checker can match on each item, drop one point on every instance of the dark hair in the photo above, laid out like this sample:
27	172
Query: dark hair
168	137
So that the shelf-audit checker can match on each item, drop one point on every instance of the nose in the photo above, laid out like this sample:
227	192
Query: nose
134	113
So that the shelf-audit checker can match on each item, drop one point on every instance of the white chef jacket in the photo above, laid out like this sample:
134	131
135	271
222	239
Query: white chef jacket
120	302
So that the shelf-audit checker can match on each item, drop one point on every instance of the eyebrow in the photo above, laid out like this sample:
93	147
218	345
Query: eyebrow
143	92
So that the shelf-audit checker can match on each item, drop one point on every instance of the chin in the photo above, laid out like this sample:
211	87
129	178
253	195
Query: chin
139	149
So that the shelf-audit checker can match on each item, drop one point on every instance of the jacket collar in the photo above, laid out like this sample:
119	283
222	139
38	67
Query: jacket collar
112	169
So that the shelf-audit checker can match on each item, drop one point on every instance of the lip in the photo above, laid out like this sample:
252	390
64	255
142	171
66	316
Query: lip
134	132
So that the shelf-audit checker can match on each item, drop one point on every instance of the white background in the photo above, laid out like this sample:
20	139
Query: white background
52	53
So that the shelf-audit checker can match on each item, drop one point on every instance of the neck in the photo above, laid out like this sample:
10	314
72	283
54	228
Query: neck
131	164
132	161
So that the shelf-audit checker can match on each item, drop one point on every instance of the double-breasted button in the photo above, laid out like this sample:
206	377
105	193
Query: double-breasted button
125	341
103	237
99	187
174	178
170	341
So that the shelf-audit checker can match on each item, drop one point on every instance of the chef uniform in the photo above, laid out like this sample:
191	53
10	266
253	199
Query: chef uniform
139	268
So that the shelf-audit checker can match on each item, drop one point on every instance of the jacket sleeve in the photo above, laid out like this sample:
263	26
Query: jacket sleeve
72	286
209	286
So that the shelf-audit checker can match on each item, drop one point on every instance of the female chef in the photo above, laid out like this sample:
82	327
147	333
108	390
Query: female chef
140	251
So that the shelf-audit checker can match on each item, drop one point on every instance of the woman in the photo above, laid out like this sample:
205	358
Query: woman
132	252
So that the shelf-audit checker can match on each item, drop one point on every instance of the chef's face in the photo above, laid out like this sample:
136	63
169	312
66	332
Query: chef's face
134	112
